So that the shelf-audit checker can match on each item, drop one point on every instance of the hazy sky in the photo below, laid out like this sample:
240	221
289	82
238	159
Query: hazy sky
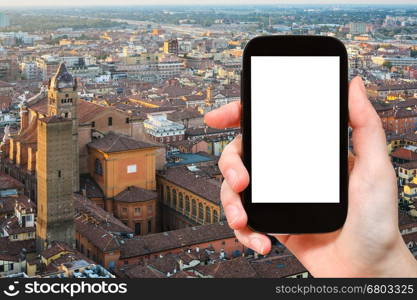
4	3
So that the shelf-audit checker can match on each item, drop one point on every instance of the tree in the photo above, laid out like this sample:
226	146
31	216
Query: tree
387	65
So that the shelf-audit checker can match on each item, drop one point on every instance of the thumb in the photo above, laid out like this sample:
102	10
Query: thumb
368	136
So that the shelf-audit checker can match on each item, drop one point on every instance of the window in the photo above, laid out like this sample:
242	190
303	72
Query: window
150	209
110	121
208	214
93	124
15	236
66	115
215	216
200	211
181	200
131	169
59	173
149	226
29	218
1	268
124	210
187	205
137	210
137	228
174	198
127	120
168	196
98	167
193	208
11	265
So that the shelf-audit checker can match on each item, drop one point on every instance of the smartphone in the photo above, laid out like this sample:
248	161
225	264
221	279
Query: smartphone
295	133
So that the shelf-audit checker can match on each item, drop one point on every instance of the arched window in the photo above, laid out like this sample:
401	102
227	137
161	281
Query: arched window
181	200
168	196
193	208
187	205
200	211
174	198
208	215
98	167
215	216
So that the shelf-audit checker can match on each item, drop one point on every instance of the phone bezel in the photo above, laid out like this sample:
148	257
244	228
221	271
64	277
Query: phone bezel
295	217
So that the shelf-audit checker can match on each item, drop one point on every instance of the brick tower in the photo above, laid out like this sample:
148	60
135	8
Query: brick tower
57	162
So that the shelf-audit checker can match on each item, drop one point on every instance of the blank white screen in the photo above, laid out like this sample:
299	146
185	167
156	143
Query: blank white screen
295	129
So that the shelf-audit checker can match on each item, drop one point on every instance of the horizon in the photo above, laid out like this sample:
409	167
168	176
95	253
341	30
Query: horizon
203	3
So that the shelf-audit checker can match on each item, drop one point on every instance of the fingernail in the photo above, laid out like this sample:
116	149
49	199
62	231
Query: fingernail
233	214
257	245
231	177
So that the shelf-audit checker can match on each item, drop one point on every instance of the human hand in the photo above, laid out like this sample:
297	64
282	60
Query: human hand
369	244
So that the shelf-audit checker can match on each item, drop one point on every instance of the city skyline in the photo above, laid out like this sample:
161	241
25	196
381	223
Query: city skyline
72	3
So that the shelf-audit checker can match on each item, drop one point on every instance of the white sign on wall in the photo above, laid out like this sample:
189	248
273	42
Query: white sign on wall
131	169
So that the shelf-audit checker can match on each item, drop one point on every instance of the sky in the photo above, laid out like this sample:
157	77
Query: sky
8	3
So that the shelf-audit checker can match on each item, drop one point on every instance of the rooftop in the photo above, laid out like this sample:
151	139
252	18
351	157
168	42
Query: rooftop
113	142
136	194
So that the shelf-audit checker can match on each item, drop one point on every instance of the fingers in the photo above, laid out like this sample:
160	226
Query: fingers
368	136
225	116
233	208
232	167
254	240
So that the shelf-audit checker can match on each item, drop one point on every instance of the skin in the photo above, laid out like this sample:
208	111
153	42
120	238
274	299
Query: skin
369	244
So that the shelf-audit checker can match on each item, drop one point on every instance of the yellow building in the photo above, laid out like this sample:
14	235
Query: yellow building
188	198
124	170
410	191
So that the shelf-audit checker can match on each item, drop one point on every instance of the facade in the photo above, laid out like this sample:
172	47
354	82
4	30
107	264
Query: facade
124	170
171	46
188	199
162	130
57	163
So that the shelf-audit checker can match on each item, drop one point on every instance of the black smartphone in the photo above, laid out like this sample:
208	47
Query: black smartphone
295	133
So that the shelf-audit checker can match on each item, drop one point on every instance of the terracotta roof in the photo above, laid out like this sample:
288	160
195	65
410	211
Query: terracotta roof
411	137
233	268
93	190
405	154
410	237
202	186
10	250
86	111
405	220
135	194
188	236
409	165
87	210
41	106
278	267
8	182
140	271
56	248
4	84
113	142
